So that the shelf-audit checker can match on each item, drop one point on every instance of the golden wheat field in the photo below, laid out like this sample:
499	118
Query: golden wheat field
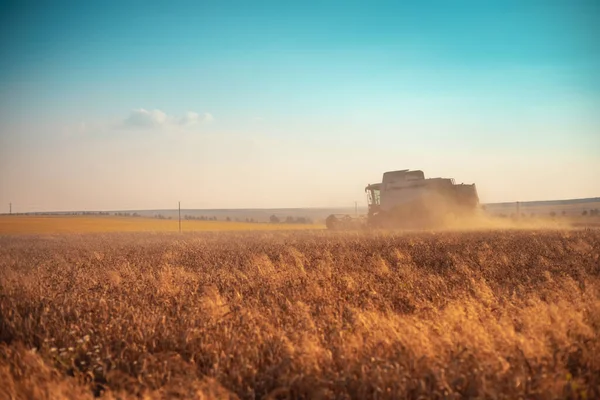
325	315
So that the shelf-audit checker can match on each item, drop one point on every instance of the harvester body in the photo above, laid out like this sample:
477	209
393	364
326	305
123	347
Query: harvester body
406	199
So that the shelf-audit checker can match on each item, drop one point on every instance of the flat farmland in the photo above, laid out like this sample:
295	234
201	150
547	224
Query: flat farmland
26	224
483	314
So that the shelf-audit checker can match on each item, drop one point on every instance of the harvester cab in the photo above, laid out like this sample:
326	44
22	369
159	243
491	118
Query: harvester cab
373	198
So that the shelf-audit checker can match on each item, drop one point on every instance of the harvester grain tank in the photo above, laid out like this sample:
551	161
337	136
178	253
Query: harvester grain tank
406	198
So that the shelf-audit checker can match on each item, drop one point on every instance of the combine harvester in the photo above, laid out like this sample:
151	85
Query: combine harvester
405	199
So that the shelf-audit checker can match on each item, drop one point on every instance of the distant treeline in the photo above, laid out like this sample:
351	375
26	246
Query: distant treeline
273	219
200	218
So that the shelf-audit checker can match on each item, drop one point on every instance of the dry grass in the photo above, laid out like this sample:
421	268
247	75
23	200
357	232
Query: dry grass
498	314
18	224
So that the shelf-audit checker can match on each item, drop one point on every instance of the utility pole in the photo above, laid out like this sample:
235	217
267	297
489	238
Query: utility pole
10	208
518	210
180	217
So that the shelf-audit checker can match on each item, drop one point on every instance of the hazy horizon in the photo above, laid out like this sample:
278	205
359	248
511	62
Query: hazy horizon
349	208
133	106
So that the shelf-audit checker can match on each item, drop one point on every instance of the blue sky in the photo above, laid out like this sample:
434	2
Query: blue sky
137	104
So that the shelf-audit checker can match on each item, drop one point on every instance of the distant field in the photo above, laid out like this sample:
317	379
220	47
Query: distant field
86	224
56	224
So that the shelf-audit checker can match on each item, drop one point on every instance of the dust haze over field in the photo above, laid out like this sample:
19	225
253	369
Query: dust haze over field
483	221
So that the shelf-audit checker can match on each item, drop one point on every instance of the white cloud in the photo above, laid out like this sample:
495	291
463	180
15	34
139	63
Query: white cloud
144	119
190	118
